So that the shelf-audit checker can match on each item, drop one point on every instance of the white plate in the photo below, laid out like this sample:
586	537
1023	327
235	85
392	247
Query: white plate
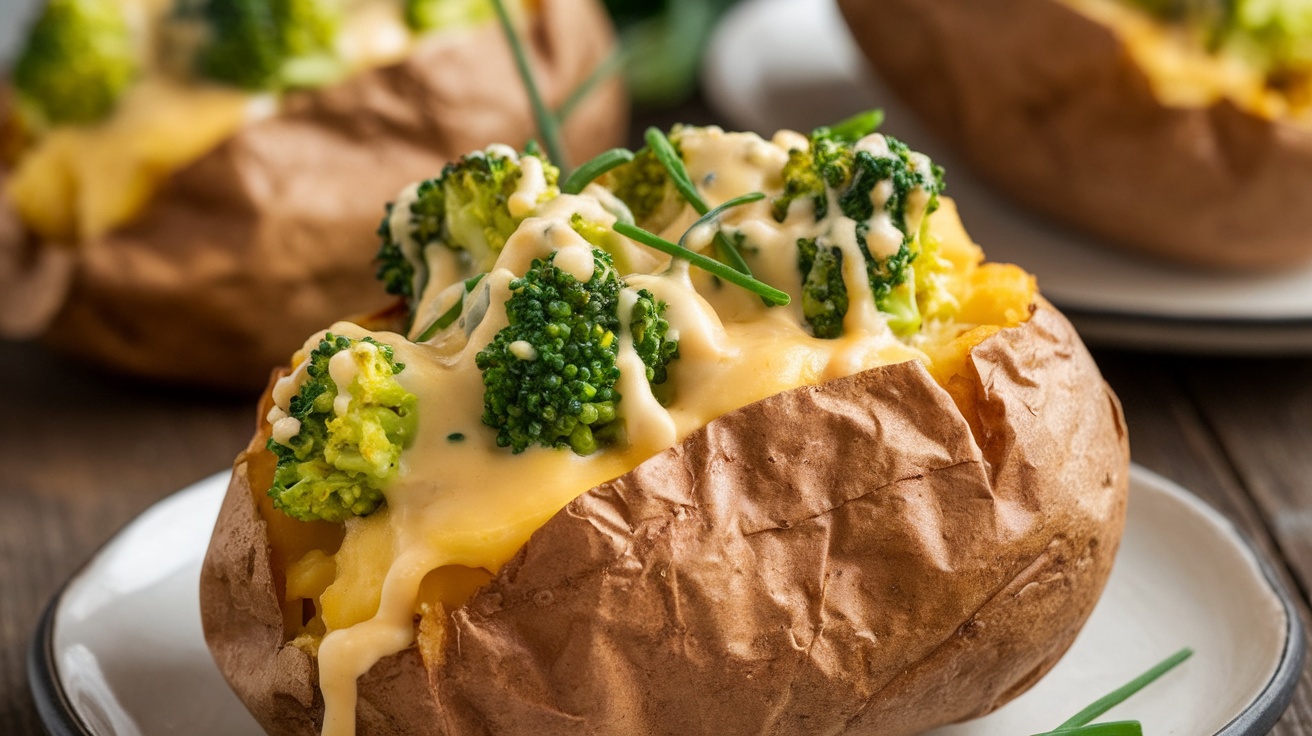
120	651
792	64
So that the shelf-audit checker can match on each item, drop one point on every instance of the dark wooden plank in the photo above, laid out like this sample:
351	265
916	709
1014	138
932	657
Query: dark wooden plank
81	453
1261	410
1169	435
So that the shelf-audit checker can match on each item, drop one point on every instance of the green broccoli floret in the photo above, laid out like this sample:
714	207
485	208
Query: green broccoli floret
549	376
270	44
337	465
824	294
424	16
466	208
651	340
1274	34
79	60
826	163
834	167
644	186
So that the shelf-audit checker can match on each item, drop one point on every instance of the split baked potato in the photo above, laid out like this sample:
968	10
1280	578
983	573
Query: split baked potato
1182	130
582	479
176	172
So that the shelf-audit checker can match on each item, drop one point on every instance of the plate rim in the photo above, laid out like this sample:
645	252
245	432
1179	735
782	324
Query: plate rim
59	717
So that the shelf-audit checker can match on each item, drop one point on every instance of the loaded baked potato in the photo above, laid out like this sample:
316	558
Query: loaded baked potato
572	484
175	172
1177	129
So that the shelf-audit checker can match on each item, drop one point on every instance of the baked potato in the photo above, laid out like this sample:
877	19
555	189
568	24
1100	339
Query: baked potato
1181	130
862	483
157	230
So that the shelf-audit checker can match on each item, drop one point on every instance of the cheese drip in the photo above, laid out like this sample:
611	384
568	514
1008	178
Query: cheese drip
459	500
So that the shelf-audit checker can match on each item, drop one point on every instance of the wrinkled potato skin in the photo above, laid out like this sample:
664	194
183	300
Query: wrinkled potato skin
270	236
848	558
1049	106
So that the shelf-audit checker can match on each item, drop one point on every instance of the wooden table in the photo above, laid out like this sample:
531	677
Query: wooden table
82	452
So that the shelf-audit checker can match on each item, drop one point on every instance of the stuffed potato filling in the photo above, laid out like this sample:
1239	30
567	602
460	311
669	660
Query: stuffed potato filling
110	97
552	341
1254	53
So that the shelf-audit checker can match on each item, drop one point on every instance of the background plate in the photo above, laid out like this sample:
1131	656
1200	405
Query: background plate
792	64
120	650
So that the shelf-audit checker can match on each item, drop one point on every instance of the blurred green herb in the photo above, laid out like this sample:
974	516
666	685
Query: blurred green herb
663	42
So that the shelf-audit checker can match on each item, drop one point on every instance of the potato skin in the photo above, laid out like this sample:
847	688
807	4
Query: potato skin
1047	105
846	558
271	235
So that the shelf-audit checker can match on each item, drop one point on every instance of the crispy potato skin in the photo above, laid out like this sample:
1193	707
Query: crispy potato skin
845	558
271	236
1048	106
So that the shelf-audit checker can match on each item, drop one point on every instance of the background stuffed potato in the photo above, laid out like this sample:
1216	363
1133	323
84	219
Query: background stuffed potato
278	219
1050	105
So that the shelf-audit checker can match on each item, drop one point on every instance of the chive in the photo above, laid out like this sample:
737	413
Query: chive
455	437
451	314
1111	728
1115	697
610	65
1078	724
710	265
588	172
714	214
858	126
547	126
669	158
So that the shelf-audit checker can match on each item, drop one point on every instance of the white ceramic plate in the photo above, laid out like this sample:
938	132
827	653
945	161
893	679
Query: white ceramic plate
120	652
792	64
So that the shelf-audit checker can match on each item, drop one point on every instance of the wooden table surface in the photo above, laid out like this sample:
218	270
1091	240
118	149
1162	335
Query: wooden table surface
82	452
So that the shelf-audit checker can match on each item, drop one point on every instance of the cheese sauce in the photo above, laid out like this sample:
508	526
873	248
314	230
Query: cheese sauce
458	499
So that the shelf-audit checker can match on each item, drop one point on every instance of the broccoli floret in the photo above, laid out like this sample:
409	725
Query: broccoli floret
270	44
549	376
466	208
827	162
865	185
651	338
644	186
338	463
424	16
824	294
1274	34
78	61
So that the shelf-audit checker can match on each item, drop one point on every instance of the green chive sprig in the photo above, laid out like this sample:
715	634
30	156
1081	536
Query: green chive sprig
548	125
664	151
710	265
714	214
588	172
1078	724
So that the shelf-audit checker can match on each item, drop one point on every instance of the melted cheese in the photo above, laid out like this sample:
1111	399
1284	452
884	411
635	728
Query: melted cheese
79	182
460	504
1184	73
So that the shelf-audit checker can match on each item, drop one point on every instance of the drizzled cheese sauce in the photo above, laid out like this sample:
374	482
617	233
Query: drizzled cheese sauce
473	504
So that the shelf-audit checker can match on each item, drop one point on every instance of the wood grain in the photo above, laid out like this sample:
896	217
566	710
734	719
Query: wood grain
81	453
1169	435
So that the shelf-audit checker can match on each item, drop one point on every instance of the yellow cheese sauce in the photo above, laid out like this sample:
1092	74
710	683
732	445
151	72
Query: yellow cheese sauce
76	183
460	507
1183	73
